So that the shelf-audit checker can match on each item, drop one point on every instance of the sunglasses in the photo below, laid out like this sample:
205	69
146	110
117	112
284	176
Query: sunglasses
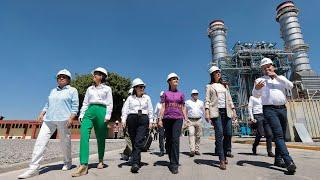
97	73
141	87
62	77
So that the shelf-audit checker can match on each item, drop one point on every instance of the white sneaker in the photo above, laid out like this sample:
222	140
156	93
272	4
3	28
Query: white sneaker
66	167
29	173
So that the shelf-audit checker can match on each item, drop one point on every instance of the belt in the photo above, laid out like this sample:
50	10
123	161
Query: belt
275	106
193	119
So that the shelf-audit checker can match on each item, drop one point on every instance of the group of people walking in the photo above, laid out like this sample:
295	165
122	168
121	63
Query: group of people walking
266	108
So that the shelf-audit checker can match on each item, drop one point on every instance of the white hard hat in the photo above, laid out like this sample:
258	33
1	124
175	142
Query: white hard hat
136	82
171	75
100	69
161	93
194	91
213	69
265	61
130	91
64	72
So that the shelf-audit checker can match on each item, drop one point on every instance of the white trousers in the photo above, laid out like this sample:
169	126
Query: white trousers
195	131
46	131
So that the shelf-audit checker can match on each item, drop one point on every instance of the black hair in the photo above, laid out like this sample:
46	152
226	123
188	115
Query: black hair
224	83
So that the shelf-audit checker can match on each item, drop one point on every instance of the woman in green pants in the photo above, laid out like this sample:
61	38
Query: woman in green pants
95	112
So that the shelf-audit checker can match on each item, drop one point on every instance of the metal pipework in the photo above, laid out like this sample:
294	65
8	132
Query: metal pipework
217	34
287	16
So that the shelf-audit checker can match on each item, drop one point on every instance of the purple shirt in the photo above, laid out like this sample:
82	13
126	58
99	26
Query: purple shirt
174	100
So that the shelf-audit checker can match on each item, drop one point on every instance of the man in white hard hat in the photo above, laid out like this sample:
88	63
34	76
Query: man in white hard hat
57	114
271	88
195	112
160	128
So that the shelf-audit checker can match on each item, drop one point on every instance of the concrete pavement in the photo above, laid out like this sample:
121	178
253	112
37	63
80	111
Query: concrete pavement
244	166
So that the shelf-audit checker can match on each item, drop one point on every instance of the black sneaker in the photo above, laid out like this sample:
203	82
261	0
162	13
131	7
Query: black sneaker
280	163
135	168
254	150
229	154
174	170
291	168
270	154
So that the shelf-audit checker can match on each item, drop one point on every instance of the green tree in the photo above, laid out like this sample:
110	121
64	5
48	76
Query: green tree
119	85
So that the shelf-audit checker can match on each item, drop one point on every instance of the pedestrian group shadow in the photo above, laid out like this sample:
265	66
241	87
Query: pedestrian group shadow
207	162
128	163
251	154
210	154
260	164
55	167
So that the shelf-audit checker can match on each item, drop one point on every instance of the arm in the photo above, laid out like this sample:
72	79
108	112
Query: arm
109	105
207	103
150	111
287	84
74	107
85	104
257	89
125	110
250	106
163	106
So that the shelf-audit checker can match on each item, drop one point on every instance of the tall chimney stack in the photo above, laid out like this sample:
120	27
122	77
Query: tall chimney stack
217	34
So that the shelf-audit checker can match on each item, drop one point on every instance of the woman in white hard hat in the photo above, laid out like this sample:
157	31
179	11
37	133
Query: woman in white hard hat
58	113
172	114
138	116
95	113
219	110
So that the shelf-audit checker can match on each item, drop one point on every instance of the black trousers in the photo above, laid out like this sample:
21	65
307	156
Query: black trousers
172	132
161	139
137	128
263	129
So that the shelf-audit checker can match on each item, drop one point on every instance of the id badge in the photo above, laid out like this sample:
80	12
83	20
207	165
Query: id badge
139	112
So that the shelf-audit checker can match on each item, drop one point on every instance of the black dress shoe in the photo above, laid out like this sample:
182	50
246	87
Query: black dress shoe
270	154
229	154
135	168
174	170
280	163
254	150
291	168
191	153
197	153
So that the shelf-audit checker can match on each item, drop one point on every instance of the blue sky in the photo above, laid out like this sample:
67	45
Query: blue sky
135	38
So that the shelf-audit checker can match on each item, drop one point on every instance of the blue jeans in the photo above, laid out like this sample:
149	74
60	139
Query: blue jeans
223	132
277	119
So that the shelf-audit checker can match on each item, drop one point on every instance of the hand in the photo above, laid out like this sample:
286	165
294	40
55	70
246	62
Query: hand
234	115
150	126
106	120
188	122
207	117
259	85
124	125
160	123
272	74
69	123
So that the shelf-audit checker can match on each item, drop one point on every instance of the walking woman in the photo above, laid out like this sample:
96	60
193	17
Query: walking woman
58	113
172	114
219	109
137	114
95	113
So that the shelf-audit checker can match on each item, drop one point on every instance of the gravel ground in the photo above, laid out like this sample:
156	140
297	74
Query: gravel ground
17	152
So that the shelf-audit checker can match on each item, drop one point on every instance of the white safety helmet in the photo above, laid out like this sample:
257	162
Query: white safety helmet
100	69
64	72
130	91
136	82
194	91
265	61
161	93
171	75
213	69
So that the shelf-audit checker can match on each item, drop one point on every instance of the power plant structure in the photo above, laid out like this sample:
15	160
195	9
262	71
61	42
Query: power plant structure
242	66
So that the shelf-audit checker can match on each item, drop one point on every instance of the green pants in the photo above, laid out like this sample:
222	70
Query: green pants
93	117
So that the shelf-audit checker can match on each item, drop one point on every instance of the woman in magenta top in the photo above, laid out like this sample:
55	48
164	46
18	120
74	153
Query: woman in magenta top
172	114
